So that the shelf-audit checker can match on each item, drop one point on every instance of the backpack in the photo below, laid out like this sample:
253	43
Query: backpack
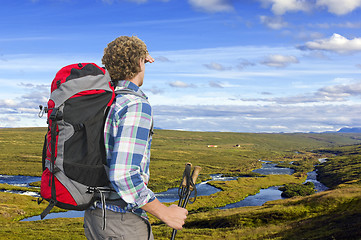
74	156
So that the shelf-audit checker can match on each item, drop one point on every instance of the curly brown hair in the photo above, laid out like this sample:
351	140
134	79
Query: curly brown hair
121	57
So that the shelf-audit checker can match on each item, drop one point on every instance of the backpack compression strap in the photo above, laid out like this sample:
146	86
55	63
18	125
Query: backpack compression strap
55	116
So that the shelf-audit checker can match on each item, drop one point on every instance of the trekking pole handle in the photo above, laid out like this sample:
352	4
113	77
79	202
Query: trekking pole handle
194	177
195	174
184	183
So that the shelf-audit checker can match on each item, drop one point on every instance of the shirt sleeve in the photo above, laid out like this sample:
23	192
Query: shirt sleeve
129	163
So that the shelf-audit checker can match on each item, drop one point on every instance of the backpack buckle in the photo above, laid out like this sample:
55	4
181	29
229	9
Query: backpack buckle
56	114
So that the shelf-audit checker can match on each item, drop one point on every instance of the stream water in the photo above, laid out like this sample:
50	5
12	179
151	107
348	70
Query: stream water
171	195
264	195
20	181
269	168
272	193
203	189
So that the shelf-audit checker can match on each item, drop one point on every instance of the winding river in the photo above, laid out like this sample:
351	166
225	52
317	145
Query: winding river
272	193
171	195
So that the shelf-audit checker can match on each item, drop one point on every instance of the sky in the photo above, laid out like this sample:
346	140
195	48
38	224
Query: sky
220	65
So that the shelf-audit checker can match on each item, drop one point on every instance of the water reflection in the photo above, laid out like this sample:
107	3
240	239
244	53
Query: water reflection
312	177
258	199
27	193
203	189
271	169
18	180
68	214
272	193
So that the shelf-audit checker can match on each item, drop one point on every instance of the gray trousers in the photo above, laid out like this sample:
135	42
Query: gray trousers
126	226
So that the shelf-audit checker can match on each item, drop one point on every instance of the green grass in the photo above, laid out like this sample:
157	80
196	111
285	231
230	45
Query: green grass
293	189
334	214
16	188
20	151
343	169
312	217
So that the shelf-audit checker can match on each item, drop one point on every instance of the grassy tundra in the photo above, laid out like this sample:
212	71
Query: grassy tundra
333	214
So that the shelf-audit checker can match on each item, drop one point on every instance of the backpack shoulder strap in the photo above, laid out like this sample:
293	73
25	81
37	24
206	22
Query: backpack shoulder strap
128	91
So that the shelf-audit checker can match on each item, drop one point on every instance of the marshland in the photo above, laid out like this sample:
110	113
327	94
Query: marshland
331	214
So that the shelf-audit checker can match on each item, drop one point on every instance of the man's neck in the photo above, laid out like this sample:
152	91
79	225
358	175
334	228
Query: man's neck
136	80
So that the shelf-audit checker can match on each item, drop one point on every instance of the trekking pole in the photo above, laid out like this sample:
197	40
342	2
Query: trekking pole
186	188
192	186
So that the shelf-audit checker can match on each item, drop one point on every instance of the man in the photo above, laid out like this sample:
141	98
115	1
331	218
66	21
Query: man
127	133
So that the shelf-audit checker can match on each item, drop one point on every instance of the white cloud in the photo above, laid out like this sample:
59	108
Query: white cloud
343	80
24	109
309	98
215	66
162	59
306	35
9	121
343	90
339	7
180	84
215	84
334	93
317	55
336	43
244	63
6	103
279	60
257	118
273	22
349	25
280	7
212	5
154	90
337	25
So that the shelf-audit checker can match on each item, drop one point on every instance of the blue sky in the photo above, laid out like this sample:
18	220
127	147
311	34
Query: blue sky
221	65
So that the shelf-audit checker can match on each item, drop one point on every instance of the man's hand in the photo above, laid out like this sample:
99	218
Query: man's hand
176	217
173	215
148	58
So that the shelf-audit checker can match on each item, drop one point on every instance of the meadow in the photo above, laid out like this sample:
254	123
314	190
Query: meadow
333	214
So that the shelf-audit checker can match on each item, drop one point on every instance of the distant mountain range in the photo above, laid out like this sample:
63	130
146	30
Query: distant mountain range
350	130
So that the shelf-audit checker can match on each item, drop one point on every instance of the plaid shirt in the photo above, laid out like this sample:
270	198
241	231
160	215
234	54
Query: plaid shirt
127	143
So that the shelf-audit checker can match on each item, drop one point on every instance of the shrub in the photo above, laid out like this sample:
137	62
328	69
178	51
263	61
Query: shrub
295	189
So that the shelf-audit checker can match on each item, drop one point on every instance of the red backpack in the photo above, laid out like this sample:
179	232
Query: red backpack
74	152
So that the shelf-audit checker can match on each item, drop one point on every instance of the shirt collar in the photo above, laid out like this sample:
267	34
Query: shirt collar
123	84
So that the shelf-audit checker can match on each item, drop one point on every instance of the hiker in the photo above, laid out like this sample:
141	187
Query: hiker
127	132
